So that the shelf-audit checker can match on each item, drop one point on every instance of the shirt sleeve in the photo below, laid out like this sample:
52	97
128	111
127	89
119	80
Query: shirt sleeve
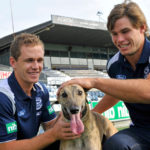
48	111
8	125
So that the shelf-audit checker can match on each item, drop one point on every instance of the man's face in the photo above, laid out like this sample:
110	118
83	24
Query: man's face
29	64
126	38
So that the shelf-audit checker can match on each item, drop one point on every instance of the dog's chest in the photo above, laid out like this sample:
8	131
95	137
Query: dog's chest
90	140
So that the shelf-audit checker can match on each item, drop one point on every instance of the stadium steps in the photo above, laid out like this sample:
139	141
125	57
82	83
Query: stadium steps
84	73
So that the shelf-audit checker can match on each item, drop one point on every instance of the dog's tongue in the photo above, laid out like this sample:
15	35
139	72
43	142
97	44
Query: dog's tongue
76	124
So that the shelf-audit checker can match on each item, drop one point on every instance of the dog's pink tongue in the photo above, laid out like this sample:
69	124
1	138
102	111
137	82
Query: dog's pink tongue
76	124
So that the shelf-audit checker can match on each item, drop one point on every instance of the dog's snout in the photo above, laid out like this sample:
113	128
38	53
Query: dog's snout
74	110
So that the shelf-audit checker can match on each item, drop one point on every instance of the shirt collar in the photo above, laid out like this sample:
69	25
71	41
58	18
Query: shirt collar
16	88
146	52
144	56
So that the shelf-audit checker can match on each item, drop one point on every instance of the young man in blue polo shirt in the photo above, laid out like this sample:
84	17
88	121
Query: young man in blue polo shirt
130	81
24	103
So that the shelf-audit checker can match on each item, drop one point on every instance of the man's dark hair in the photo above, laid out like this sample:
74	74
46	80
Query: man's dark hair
130	10
23	39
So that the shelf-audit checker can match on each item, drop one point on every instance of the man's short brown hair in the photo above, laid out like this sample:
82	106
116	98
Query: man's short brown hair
23	39
130	10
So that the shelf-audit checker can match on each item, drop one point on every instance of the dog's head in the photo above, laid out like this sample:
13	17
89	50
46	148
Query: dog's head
73	102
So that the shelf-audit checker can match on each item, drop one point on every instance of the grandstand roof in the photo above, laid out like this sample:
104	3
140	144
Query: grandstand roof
70	31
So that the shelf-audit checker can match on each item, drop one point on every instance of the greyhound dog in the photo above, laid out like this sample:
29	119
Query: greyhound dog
94	127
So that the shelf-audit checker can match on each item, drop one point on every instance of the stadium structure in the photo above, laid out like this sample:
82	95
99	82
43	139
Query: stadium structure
70	43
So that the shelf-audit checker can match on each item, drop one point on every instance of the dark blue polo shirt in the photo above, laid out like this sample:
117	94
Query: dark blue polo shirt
119	68
21	115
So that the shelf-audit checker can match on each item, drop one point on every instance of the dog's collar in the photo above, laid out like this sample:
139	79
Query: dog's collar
85	112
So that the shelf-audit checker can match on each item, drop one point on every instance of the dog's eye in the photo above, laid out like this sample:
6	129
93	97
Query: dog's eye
79	92
64	94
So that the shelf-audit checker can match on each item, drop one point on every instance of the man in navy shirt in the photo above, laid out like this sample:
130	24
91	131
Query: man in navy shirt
24	102
130	81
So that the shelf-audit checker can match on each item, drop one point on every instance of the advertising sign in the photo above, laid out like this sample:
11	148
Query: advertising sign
117	112
4	74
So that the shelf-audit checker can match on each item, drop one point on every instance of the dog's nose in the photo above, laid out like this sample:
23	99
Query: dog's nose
74	110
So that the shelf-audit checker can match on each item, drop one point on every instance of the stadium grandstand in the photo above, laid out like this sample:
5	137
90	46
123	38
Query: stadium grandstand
70	43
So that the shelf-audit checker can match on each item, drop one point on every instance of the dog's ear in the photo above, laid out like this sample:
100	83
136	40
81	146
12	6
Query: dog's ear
87	102
85	90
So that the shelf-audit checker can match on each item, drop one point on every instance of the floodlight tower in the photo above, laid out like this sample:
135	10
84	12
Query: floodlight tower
99	13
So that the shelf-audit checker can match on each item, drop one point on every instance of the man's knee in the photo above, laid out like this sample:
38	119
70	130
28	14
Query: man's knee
115	143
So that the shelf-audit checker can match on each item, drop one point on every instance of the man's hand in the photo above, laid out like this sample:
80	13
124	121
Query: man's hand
86	83
62	129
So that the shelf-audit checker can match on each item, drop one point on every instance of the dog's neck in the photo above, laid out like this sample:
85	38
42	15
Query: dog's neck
88	126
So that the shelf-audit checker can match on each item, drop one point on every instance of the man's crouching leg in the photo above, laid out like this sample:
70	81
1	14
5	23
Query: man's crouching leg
126	140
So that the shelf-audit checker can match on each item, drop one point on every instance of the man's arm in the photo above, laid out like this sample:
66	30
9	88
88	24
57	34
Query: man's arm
51	123
36	143
59	130
105	103
130	90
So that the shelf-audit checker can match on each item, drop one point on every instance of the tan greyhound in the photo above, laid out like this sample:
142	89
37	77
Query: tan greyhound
94	127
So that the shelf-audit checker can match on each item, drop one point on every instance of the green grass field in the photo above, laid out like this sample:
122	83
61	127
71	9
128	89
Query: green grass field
121	128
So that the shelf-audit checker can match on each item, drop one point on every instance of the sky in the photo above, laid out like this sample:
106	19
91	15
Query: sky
28	13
